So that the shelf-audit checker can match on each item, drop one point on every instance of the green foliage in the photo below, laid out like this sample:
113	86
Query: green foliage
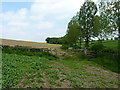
20	50
112	44
81	25
73	35
86	19
81	55
15	67
106	26
73	32
76	46
97	26
20	71
113	8
107	63
54	40
103	50
97	47
106	60
86	25
64	47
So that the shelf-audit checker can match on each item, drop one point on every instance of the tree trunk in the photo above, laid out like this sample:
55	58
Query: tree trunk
87	43
80	42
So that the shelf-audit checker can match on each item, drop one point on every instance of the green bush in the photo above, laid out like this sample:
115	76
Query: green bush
105	56
64	47
104	52
97	47
81	55
76	47
27	51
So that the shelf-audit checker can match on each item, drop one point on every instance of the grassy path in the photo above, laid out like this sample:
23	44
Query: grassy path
32	72
85	74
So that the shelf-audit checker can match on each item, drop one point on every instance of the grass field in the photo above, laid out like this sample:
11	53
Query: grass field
113	44
20	71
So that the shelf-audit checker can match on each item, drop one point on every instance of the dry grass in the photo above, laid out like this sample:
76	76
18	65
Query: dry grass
28	43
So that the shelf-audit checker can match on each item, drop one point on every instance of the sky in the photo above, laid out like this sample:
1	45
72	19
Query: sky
35	20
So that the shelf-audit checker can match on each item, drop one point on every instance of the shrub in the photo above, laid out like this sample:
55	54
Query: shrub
81	55
104	52
97	47
27	51
64	47
76	47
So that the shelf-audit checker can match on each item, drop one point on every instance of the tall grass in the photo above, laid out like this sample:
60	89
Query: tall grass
106	56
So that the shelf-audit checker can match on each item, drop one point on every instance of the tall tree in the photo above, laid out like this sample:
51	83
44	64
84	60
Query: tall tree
106	26
111	11
116	21
72	31
114	7
86	16
97	27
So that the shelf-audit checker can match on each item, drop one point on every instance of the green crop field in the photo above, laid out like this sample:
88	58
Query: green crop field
20	71
20	67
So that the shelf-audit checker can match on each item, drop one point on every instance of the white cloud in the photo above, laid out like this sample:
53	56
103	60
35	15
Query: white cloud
1	28
18	24
20	15
44	18
56	8
17	0
44	25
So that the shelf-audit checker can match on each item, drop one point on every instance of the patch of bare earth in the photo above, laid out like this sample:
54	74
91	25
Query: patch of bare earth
46	84
98	77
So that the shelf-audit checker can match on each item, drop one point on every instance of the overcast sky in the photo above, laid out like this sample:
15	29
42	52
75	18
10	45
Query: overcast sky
37	19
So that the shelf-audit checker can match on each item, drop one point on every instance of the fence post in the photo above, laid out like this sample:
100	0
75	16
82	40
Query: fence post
51	50
55	51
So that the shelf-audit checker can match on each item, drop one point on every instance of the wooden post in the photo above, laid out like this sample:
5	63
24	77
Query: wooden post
51	50
85	51
55	51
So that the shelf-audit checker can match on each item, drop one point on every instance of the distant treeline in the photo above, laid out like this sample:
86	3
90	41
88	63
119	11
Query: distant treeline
54	40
